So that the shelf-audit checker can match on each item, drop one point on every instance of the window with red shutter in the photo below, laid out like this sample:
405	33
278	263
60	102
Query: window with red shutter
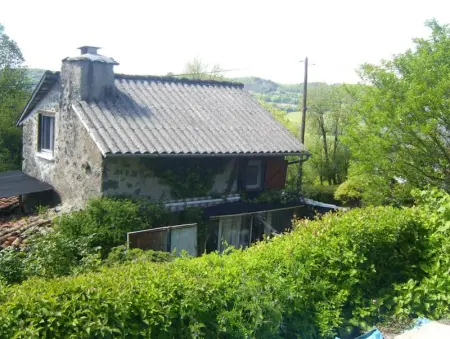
275	173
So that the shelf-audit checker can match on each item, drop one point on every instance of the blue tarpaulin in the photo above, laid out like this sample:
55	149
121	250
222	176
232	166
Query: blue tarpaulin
374	334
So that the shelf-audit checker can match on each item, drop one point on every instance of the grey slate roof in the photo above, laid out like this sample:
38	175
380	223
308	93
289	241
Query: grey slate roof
161	116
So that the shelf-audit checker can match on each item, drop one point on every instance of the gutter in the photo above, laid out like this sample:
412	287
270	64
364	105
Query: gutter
206	155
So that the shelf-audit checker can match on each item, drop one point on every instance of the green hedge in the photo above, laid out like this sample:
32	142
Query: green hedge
343	271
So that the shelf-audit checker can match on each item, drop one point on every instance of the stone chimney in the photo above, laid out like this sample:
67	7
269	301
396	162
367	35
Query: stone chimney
88	77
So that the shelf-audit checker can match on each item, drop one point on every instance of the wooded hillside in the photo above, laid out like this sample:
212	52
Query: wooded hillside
282	96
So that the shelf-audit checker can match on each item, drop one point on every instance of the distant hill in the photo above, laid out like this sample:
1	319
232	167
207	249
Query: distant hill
35	74
281	96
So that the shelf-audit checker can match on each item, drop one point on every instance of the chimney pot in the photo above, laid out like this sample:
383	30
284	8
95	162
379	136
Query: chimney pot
89	76
88	49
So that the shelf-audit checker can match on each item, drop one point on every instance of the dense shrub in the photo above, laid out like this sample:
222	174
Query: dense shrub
430	296
55	255
121	255
322	193
82	239
105	221
372	190
349	192
11	265
342	271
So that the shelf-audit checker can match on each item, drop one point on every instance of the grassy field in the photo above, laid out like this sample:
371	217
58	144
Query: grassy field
295	117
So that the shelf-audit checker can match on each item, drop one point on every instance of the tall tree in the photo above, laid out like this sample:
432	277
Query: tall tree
14	89
329	109
402	130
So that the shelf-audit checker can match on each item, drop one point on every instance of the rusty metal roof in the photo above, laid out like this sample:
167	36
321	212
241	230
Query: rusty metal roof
173	116
16	183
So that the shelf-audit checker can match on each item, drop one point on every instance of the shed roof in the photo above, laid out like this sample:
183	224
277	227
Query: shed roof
173	116
16	183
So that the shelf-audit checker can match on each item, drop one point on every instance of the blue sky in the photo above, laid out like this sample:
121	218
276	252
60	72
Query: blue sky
260	38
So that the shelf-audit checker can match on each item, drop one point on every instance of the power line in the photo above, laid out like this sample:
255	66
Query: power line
213	72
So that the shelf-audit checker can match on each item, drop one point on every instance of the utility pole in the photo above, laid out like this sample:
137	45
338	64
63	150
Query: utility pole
305	92
303	125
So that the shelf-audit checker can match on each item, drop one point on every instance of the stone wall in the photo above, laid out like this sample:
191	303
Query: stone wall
78	162
133	176
33	163
76	168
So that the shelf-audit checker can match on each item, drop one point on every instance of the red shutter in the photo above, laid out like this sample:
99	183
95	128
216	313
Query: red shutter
275	173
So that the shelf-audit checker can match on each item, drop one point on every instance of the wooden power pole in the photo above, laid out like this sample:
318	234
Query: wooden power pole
303	125
305	92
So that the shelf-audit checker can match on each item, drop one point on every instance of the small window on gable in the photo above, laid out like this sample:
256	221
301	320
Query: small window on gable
46	133
253	174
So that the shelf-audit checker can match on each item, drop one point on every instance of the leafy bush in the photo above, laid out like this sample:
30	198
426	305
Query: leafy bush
105	222
56	254
430	296
341	271
322	193
349	192
11	265
121	255
374	190
82	239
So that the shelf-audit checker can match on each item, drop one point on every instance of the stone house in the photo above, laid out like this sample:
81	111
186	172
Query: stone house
89	132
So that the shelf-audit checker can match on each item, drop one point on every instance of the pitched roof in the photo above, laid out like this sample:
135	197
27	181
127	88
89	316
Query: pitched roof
173	116
45	85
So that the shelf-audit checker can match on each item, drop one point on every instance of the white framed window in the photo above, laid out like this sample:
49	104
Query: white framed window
253	174
46	138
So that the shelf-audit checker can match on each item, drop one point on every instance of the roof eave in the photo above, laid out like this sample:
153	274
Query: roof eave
47	74
206	155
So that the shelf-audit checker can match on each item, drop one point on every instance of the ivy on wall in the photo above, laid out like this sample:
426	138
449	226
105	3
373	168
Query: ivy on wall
189	177
282	196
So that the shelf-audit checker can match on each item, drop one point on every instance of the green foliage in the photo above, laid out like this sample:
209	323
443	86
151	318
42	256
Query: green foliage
280	96
103	223
41	209
402	126
276	196
121	255
343	271
56	254
430	296
194	179
349	192
374	190
11	265
329	112
322	193
82	239
14	90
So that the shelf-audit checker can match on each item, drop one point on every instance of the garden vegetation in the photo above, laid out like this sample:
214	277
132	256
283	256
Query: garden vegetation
343	273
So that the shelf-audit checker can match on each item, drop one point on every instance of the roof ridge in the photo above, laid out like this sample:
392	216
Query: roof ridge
159	78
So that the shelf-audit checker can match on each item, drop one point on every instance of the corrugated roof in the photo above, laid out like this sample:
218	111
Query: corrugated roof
163	115
16	183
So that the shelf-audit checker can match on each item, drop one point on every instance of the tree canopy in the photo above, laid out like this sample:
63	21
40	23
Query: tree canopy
14	90
401	131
